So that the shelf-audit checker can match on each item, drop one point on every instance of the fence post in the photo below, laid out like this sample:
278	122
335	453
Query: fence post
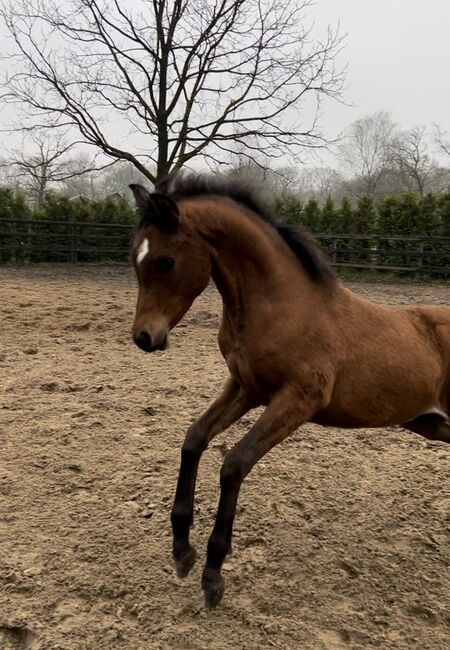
28	237
334	251
74	242
420	258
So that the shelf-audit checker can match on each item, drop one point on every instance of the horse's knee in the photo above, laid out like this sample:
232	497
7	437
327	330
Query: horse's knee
193	446
181	517
218	548
232	471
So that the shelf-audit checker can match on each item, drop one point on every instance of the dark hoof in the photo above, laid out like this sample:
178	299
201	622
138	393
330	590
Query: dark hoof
185	563
214	589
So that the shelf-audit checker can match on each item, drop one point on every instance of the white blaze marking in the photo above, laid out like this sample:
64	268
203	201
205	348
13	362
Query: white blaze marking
142	250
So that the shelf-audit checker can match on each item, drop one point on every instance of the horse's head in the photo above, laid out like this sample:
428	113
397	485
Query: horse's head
172	265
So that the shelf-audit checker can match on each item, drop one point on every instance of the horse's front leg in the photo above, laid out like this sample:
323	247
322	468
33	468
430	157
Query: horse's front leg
229	407
282	416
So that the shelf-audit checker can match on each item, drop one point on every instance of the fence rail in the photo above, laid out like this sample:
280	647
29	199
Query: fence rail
414	255
27	241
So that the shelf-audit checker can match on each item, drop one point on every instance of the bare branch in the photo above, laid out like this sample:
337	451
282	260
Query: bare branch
409	155
181	77
366	150
42	162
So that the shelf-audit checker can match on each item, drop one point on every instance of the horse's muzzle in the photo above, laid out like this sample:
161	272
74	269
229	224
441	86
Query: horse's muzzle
144	341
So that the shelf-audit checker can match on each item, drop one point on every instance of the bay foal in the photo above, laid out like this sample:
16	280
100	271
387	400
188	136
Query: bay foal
294	340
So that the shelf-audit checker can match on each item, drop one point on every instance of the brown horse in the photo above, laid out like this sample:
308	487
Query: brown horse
294	340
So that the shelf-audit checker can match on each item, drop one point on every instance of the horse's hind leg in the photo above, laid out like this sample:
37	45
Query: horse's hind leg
433	426
229	407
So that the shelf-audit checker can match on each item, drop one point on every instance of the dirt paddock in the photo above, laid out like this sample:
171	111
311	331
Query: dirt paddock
342	538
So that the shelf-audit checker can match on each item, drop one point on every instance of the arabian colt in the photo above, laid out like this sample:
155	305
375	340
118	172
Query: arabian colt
294	340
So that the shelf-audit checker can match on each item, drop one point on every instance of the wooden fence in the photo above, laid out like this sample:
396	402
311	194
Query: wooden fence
27	241
416	255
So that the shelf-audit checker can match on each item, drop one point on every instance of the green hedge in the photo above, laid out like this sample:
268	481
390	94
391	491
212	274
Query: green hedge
406	214
20	243
393	216
402	215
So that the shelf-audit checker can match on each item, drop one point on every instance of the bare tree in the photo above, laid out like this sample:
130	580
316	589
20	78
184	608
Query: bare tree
267	182
183	77
439	180
442	139
117	179
84	180
285	181
42	162
409	154
5	176
319	183
366	149
441	177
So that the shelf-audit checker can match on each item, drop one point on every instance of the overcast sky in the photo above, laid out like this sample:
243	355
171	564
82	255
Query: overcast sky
398	54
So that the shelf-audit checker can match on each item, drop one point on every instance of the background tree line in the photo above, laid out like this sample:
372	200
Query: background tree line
374	157
402	215
53	223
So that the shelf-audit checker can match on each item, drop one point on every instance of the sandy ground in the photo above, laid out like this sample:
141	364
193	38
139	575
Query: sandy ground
342	538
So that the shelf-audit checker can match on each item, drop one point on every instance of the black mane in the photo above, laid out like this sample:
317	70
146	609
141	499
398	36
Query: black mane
299	240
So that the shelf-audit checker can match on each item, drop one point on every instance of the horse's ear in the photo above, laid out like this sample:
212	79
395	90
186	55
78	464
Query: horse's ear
158	209
141	195
164	212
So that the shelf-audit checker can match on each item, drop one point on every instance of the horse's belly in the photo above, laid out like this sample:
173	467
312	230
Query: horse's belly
332	417
383	396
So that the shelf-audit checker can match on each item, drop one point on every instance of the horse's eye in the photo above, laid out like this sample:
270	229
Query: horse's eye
164	264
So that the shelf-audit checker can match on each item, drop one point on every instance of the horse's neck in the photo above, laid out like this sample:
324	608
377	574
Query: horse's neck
250	262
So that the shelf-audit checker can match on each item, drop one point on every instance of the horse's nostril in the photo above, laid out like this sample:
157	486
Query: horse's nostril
143	340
